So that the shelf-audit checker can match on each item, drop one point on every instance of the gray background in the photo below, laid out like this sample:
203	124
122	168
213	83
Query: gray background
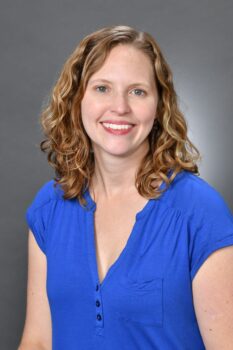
36	39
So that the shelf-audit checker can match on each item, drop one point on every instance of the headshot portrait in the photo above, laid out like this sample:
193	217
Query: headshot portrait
120	208
127	237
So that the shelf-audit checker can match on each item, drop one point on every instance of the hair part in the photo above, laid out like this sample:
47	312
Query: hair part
66	142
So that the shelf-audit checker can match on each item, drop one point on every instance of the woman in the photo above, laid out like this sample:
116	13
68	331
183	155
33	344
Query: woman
128	247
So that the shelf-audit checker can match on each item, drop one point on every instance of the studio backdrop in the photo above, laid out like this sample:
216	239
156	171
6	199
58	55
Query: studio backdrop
36	39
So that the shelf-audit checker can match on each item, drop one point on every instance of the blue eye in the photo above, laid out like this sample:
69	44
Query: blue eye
139	92
101	88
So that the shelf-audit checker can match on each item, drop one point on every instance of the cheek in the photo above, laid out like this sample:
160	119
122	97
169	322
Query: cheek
85	114
91	109
146	114
85	107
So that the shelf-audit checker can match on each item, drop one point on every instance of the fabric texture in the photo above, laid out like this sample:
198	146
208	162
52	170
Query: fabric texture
145	301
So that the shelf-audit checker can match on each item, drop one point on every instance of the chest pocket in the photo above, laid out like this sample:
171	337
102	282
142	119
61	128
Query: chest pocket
141	301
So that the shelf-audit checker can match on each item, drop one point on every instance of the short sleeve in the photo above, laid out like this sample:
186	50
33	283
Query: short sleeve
38	213
211	228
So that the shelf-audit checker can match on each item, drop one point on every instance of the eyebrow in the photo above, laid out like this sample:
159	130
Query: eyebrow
109	82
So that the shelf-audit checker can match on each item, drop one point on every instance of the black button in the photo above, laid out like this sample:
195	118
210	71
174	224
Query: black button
99	317
97	287
97	303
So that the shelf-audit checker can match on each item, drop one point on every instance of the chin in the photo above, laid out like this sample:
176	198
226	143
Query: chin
114	152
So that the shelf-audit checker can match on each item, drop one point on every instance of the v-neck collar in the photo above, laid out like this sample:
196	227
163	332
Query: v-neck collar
91	206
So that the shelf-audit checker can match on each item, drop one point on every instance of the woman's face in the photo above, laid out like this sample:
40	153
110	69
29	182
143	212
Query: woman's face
119	104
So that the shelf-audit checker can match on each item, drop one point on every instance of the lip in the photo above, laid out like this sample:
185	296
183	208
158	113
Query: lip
117	122
118	132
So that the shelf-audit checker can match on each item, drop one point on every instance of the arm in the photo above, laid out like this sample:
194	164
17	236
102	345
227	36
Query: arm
31	346
213	300
37	333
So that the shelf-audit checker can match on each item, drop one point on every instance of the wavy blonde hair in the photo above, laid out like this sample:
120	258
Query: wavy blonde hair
66	142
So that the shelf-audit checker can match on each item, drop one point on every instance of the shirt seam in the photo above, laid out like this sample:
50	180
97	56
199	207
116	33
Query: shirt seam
47	202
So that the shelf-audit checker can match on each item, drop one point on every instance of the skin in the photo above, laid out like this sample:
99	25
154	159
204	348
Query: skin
213	299
130	95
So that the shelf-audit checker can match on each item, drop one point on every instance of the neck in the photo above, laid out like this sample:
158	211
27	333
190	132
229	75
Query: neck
114	176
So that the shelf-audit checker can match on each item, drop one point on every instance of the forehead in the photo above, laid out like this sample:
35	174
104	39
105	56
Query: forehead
126	61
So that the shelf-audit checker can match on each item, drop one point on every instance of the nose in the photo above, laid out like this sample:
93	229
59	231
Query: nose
120	104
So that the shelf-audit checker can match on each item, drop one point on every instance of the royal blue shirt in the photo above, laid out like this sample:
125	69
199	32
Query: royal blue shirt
145	302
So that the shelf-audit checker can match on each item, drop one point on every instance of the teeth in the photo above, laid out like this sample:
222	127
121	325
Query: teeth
117	127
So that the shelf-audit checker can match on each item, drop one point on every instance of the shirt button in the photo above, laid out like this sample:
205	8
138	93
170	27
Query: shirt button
99	317
97	287
97	303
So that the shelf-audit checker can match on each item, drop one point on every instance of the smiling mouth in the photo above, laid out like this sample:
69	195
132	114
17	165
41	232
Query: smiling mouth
118	126
117	129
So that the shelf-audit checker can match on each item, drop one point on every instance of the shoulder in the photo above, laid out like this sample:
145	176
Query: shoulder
190	193
41	209
49	191
208	220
